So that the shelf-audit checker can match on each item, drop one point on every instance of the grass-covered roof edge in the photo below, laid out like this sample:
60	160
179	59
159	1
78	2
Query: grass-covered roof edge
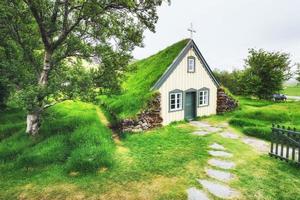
178	59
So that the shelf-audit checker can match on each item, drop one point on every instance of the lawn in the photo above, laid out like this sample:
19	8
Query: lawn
255	117
292	90
159	164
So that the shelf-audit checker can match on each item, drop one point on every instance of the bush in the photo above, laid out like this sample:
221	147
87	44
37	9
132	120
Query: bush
259	132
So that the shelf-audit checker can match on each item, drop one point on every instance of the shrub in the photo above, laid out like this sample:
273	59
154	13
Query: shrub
259	132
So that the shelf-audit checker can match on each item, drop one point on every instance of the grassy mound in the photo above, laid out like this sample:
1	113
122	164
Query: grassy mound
142	76
71	136
255	117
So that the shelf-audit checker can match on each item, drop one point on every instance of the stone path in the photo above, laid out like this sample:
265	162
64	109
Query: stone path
218	167
217	170
221	163
195	194
204	128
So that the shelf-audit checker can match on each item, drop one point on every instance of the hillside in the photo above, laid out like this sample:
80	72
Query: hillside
71	137
136	88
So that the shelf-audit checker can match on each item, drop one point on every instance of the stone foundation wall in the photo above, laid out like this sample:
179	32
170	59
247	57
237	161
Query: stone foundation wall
147	119
225	103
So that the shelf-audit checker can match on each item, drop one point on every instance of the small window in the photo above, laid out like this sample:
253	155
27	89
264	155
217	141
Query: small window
191	64
203	97
175	101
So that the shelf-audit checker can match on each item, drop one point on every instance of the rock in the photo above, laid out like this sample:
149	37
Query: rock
217	146
229	135
146	119
221	163
219	190
259	145
200	125
219	175
212	129
223	125
137	130
225	103
195	194
220	154
201	133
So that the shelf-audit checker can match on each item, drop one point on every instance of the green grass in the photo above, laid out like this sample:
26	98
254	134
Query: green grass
70	135
292	90
159	164
155	161
259	176
255	117
142	76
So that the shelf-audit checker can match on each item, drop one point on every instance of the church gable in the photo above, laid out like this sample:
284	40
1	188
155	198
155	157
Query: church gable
191	55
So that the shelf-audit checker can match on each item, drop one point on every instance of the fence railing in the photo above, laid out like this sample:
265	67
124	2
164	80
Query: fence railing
285	144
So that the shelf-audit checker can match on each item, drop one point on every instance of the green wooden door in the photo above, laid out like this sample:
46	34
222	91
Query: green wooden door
190	105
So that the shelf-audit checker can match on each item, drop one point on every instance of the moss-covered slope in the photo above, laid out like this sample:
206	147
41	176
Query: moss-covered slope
142	76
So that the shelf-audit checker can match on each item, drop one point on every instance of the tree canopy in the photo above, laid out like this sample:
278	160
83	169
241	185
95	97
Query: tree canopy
45	34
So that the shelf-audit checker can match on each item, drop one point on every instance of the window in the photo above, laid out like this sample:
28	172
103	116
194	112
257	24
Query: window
191	64
203	97
175	101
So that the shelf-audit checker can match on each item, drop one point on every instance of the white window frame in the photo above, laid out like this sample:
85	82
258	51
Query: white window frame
177	101
191	67
203	97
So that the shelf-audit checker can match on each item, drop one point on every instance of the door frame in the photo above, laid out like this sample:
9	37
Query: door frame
192	90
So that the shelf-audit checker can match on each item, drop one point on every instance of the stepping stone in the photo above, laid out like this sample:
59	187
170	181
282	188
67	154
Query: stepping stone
219	175
219	190
200	124
229	135
212	129
195	194
221	163
220	154
223	125
201	133
257	144
217	146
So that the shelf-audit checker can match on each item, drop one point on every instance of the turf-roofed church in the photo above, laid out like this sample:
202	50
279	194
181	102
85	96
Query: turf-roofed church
188	87
172	85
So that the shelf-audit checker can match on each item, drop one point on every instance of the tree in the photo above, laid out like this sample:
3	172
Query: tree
266	72
50	31
232	80
297	73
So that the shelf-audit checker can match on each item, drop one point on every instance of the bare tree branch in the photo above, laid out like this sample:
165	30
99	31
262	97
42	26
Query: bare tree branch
39	20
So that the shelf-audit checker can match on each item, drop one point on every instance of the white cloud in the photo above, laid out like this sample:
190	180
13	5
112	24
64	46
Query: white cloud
226	29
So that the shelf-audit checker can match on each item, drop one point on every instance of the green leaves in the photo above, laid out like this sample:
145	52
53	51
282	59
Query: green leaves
266	72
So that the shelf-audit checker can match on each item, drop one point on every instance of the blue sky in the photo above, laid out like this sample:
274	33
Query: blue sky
226	29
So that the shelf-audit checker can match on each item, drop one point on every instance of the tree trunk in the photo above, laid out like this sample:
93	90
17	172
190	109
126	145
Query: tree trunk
33	123
33	117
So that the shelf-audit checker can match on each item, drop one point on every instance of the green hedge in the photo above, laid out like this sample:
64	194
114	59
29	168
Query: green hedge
259	132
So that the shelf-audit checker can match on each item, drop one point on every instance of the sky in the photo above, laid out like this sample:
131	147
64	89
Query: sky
226	29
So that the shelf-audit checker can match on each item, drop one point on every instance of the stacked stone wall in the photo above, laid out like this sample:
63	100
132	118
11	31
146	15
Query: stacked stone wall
147	119
225	103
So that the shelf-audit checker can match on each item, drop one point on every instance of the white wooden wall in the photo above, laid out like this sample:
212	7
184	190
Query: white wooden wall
182	80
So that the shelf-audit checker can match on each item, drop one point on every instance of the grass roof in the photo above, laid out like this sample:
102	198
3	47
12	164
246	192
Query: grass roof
142	76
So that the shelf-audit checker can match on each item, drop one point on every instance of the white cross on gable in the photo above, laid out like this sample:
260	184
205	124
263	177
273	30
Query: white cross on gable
191	30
